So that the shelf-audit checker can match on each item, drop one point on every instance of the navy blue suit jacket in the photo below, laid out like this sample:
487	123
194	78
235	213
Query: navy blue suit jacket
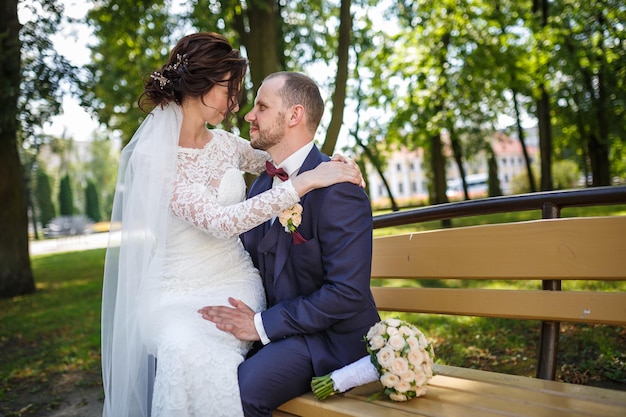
319	289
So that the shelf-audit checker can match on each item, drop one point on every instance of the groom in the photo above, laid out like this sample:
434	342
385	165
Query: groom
318	291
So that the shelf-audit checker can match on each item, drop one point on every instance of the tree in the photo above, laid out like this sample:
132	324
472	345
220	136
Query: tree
102	169
134	43
33	79
16	275
590	99
66	197
43	198
92	203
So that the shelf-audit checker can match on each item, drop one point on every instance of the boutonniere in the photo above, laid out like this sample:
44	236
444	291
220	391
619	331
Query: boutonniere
290	219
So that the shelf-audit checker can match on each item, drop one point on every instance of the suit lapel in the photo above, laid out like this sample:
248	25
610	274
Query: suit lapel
285	240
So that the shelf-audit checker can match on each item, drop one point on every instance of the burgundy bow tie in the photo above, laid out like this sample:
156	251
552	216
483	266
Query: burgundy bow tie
273	171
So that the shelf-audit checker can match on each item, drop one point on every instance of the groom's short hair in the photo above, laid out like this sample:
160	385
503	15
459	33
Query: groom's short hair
301	89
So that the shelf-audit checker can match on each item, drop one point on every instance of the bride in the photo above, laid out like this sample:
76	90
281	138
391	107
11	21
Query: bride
180	204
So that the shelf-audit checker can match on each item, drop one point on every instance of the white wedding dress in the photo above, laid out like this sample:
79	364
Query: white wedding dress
204	264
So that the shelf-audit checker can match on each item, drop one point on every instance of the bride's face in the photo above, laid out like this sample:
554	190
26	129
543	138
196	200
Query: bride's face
214	104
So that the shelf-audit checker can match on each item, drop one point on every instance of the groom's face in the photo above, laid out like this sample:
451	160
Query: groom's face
267	117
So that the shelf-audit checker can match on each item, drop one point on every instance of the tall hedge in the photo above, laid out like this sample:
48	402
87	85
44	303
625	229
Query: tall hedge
92	202
66	198
43	195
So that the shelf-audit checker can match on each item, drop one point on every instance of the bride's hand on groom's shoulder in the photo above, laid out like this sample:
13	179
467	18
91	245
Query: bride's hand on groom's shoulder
238	320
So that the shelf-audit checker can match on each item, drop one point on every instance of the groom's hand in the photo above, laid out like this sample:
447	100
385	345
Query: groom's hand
238	320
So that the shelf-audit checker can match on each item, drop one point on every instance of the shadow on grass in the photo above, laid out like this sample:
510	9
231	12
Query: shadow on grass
50	340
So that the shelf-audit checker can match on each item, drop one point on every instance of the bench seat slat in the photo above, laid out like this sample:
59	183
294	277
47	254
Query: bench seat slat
569	306
608	396
459	392
538	249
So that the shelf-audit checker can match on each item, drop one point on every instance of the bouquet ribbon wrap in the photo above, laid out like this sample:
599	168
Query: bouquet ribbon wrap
357	373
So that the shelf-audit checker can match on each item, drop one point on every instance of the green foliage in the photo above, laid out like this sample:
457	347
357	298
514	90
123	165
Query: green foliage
44	198
46	75
565	174
134	38
66	197
92	202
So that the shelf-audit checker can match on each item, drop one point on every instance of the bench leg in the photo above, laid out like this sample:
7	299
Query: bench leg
549	348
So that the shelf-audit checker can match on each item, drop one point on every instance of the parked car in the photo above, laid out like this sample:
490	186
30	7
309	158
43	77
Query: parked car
68	226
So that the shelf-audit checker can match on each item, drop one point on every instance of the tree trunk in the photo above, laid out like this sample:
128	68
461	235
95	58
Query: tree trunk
601	161
540	8
375	160
261	46
457	154
339	96
522	140
493	180
16	276
545	139
438	166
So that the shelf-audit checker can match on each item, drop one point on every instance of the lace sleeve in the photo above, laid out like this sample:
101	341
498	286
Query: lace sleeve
250	160
191	203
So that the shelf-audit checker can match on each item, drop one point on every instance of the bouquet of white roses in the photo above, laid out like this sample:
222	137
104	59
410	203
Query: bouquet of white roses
399	356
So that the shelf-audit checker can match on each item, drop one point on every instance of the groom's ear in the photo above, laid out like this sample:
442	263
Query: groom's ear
296	115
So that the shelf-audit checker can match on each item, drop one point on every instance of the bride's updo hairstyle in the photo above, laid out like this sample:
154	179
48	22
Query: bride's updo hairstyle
196	64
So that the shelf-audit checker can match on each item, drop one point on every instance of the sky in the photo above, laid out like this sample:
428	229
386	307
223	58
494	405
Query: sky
71	42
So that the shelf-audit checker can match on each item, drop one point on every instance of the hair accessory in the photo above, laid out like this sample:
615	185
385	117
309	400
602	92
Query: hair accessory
180	61
160	78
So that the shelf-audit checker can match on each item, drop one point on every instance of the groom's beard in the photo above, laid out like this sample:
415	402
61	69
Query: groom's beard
271	136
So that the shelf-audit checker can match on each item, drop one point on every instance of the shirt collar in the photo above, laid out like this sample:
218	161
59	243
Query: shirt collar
292	164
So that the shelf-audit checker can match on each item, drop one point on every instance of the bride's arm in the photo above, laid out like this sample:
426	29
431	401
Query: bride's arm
250	160
190	203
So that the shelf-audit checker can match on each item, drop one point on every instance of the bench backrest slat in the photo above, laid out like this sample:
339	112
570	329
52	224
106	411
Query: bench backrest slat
570	248
566	306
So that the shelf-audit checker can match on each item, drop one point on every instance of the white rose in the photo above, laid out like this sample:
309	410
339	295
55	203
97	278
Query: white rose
398	397
408	376
399	366
392	331
389	380
385	357
420	379
423	341
378	329
377	342
396	341
415	357
406	330
393	322
413	342
420	391
428	369
402	386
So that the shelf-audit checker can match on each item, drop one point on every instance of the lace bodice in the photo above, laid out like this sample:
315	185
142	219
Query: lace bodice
198	197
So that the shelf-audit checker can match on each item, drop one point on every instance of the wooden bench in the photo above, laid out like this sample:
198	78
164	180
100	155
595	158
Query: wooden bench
547	251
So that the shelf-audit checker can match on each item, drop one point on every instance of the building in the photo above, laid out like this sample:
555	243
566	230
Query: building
407	180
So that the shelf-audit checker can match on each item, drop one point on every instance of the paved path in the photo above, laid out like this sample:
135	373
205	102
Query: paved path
69	243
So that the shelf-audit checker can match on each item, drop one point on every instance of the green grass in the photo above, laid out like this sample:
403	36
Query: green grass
52	337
